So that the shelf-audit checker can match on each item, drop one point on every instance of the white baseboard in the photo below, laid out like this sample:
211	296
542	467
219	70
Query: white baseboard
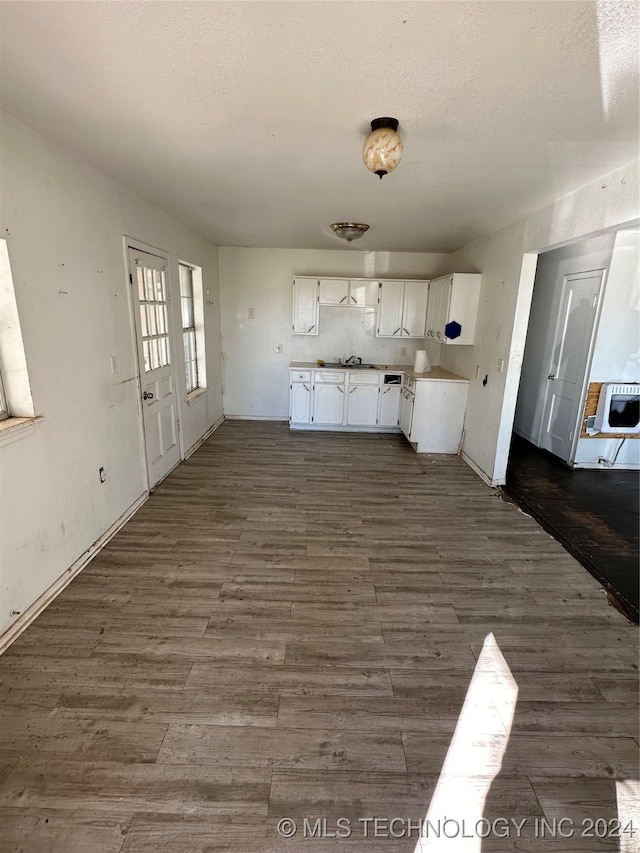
27	617
203	438
482	474
254	418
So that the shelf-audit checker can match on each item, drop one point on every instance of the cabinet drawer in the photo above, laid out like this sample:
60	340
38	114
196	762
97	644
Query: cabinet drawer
364	377
335	377
301	376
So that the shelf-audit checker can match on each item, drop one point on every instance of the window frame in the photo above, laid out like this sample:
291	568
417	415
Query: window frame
192	325
4	407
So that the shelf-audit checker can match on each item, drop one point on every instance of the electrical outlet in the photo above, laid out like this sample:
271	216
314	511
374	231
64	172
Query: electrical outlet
477	371
403	352
278	347
500	365
252	313
113	361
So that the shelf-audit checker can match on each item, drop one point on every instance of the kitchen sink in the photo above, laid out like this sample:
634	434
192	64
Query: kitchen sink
344	366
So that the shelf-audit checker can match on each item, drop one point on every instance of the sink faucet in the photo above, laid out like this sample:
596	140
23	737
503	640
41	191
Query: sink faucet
353	359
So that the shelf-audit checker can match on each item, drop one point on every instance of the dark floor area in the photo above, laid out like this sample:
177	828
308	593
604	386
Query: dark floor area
594	514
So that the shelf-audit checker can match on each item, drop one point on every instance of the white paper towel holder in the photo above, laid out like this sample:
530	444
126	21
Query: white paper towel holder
421	362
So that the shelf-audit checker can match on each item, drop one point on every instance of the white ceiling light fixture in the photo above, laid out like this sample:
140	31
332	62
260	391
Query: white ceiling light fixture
349	230
383	147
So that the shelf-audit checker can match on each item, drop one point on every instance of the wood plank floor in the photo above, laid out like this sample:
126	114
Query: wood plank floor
288	628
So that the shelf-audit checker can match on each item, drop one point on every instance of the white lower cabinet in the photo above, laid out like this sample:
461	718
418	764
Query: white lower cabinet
300	403
362	405
389	406
328	404
405	415
430	412
437	415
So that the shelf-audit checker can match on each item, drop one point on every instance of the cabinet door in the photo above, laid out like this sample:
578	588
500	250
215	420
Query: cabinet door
463	306
333	291
443	311
328	404
362	405
433	308
438	416
406	412
364	293
300	403
389	405
305	306
390	309
414	313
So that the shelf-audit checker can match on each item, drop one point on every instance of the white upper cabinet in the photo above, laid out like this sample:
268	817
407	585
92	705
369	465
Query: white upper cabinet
361	293
390	310
333	291
402	310
452	308
414	312
305	306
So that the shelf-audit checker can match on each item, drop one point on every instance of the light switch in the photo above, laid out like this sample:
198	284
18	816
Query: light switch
252	313
278	347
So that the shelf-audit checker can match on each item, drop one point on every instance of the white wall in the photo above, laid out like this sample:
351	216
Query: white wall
64	224
616	356
506	260
256	378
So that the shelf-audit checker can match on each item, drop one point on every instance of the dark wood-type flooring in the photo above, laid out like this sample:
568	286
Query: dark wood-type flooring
595	514
288	628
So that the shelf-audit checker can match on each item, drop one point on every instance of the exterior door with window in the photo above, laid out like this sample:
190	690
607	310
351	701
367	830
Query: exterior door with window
150	295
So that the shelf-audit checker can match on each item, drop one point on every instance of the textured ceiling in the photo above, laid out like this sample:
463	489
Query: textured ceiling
246	120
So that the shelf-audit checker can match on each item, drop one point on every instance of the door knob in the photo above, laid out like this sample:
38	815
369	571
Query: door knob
147	395
551	376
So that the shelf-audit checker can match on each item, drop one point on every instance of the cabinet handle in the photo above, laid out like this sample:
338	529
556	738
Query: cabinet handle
351	390
311	328
341	390
342	300
354	300
405	331
305	387
386	391
397	330
437	334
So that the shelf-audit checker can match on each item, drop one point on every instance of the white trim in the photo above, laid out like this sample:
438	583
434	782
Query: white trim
254	418
482	474
13	429
192	396
203	438
35	609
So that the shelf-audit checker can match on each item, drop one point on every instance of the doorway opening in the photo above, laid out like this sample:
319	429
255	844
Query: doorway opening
583	332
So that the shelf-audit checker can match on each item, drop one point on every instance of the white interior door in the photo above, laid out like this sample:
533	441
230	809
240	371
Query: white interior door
568	363
150	295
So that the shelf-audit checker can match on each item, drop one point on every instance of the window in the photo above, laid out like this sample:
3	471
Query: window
152	296
15	391
192	326
4	412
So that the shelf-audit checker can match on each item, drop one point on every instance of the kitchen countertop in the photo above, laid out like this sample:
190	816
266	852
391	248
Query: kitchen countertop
434	373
